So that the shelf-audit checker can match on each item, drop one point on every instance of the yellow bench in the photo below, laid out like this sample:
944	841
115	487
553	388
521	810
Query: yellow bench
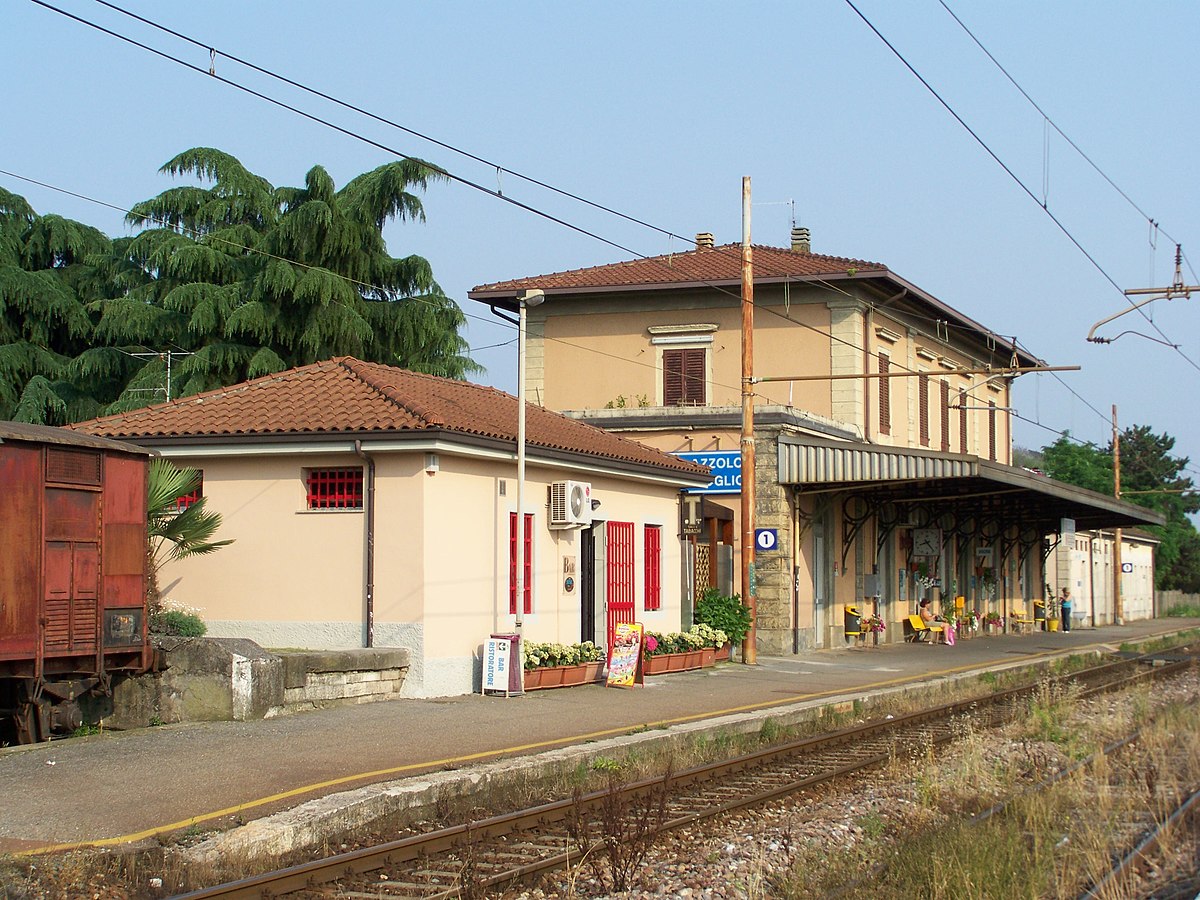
1019	621
915	629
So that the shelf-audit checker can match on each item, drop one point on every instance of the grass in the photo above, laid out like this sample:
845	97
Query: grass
1046	844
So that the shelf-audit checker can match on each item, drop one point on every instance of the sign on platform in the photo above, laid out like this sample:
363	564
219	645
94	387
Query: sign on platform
1126	568
726	468
625	656
766	539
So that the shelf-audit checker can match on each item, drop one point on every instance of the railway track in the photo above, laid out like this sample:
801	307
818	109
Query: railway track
482	857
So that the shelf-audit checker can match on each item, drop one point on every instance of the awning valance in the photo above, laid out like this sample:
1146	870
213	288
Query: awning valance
904	474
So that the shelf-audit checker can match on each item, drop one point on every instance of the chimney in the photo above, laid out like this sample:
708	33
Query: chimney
704	240
800	241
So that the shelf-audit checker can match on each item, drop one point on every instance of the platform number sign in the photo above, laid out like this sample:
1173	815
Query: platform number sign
1126	568
766	539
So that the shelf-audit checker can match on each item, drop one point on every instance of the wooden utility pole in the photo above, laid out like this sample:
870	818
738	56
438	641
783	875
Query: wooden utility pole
749	650
1118	606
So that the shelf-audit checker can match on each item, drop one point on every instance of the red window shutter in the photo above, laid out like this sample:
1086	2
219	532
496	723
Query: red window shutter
653	566
885	395
945	416
962	420
923	408
683	377
525	555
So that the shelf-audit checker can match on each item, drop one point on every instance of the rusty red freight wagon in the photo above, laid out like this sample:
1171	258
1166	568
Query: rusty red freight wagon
73	569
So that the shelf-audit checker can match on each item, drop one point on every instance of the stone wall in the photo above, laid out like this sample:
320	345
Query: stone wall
233	679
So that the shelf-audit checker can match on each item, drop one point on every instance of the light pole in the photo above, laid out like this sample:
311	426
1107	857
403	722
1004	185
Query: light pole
524	301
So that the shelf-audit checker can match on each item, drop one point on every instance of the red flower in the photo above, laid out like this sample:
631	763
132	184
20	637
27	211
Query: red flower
651	643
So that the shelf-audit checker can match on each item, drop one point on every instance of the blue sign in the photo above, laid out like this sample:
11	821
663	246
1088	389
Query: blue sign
726	468
766	539
1126	568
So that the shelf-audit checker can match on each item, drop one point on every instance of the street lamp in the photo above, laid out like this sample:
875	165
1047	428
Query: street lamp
524	301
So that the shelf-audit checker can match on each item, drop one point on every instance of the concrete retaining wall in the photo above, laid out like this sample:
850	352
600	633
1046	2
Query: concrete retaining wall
233	679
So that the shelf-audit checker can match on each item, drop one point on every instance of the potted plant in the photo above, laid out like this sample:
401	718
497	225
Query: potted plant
724	613
716	641
560	665
676	652
874	626
993	621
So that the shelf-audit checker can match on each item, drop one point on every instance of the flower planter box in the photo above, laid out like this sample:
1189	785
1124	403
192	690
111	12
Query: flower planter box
678	662
561	676
721	654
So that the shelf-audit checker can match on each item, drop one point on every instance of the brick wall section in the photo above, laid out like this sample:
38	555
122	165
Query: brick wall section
321	688
333	677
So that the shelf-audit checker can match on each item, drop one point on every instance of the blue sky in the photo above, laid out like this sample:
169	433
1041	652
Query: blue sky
658	110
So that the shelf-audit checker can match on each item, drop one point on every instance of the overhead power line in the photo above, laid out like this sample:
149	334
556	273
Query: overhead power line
1008	171
466	182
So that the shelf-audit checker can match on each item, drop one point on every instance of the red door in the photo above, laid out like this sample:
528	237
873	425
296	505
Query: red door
619	575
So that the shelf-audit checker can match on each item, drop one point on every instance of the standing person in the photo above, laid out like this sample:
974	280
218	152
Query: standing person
1065	603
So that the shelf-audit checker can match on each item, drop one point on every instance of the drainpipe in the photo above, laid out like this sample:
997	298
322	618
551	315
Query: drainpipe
369	586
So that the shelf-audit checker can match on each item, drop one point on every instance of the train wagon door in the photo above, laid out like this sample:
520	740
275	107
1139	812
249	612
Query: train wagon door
72	571
619	585
20	524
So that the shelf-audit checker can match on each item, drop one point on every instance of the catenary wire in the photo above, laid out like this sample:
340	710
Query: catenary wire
1053	218
464	181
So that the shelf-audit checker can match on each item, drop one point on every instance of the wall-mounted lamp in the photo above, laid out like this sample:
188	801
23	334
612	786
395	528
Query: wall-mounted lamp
595	504
432	464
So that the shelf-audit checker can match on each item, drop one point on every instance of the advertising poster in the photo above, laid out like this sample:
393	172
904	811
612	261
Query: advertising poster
625	656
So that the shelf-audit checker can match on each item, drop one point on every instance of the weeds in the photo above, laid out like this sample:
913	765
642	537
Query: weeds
614	835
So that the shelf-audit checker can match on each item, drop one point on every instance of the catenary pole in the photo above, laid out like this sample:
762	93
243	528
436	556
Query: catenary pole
749	649
1118	605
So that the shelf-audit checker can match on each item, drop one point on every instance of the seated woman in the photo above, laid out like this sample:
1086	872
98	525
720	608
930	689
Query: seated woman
936	626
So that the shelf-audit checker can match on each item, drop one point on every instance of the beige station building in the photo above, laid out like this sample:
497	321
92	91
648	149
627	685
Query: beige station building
375	507
871	492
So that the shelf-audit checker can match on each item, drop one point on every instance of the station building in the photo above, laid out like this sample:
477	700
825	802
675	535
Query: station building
876	491
371	506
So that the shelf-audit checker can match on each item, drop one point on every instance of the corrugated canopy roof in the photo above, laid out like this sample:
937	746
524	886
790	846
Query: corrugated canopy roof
946	479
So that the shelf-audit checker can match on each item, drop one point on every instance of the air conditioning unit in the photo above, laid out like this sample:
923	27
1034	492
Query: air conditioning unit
570	504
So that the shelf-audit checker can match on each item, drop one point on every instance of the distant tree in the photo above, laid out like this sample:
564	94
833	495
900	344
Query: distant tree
1150	477
251	279
45	282
1084	465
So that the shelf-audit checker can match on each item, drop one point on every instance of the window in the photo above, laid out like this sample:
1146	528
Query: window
923	408
653	564
334	488
992	430
183	501
885	395
619	573
525	555
683	377
945	416
962	420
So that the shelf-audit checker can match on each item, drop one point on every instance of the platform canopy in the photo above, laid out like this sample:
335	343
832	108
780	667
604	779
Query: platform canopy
950	482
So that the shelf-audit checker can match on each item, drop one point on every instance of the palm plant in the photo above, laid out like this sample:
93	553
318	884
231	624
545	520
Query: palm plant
174	533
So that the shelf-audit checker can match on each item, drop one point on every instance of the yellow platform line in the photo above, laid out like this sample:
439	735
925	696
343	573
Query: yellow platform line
520	748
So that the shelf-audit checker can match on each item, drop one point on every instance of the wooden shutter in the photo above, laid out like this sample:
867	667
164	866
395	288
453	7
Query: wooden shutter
962	420
885	395
652	557
945	416
683	377
923	408
992	430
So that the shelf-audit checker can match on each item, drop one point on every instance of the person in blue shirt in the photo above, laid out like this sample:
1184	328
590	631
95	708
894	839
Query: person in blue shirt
1065	603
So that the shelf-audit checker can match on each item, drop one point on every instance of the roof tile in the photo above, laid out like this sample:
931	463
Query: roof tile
346	395
717	264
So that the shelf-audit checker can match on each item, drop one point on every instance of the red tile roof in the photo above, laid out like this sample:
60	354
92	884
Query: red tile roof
717	264
346	395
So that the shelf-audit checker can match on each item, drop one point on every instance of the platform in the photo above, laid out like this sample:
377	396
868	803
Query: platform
121	787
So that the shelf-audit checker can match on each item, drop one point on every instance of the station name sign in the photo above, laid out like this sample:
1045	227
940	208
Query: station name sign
726	468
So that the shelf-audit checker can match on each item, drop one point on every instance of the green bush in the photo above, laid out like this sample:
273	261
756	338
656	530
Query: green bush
177	623
724	613
1185	610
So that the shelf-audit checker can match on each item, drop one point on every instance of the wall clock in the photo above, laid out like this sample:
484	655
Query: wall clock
927	542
